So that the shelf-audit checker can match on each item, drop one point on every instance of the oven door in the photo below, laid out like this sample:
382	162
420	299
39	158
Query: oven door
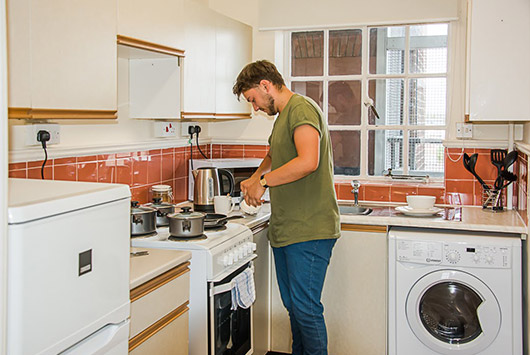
230	331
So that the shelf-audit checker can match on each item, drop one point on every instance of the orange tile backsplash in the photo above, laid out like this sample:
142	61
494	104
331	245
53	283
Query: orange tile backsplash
143	169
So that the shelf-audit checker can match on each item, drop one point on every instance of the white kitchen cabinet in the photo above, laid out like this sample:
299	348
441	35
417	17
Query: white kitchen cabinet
217	48
159	308
499	53
233	51
156	21
198	97
354	296
62	59
261	308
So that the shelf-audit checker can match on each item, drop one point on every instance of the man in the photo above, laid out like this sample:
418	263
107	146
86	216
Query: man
304	221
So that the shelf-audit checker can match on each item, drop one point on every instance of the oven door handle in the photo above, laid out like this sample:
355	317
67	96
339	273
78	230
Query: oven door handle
227	286
231	270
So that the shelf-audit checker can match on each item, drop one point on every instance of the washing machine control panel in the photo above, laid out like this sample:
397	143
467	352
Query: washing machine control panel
456	254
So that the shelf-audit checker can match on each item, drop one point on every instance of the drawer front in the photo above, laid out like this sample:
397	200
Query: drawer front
170	340
154	305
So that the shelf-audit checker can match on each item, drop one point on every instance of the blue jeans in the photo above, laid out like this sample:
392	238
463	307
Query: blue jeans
301	270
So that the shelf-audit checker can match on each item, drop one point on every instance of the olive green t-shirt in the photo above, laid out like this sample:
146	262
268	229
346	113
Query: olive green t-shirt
305	209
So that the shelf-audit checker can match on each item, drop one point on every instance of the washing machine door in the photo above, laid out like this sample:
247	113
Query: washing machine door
453	312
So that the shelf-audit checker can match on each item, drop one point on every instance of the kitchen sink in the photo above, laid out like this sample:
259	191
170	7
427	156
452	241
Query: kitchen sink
354	210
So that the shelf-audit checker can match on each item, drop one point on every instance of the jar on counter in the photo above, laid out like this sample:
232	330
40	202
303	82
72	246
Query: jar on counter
164	192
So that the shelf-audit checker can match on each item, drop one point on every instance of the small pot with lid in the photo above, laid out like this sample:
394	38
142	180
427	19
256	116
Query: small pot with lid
143	219
186	224
163	209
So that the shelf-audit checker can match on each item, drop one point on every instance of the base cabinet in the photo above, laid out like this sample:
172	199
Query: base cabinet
354	296
159	314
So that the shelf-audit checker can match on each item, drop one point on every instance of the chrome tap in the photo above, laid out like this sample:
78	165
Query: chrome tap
356	184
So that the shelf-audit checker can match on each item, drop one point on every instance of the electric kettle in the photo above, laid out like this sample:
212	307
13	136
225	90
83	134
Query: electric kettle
207	184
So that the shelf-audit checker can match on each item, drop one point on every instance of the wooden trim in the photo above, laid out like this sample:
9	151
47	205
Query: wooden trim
60	114
362	228
149	46
159	281
233	115
19	112
157	326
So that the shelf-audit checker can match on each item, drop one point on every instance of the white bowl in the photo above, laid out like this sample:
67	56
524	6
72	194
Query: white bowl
251	210
419	202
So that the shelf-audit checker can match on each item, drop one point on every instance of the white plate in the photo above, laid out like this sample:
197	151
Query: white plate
417	212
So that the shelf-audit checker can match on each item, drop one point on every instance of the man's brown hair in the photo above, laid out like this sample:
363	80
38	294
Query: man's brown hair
253	73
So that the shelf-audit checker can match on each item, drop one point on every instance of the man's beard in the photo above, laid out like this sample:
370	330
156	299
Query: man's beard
270	110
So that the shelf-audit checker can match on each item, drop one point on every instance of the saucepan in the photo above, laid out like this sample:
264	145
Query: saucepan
216	220
186	224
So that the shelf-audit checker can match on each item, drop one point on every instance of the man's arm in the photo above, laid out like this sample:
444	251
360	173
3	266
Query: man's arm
307	143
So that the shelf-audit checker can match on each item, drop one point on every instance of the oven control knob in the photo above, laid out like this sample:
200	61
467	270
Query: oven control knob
241	252
226	260
248	248
253	245
232	258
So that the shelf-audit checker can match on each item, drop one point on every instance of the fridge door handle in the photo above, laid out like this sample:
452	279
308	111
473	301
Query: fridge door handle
102	341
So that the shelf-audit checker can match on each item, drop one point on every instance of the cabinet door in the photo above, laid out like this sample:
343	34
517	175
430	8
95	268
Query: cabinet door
499	69
157	21
233	52
261	322
73	54
18	45
199	65
354	298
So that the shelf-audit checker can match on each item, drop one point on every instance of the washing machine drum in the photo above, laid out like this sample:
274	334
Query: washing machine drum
453	312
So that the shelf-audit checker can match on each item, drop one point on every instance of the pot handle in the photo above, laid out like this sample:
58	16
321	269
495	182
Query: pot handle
231	182
137	220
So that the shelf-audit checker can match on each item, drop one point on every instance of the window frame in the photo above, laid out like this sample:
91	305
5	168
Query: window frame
364	78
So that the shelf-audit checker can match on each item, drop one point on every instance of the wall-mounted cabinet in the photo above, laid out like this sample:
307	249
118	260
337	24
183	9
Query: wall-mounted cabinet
151	76
498	60
62	59
217	48
156	21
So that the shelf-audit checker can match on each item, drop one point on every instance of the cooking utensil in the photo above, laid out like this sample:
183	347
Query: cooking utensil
497	159
510	158
216	220
186	224
163	209
143	219
207	185
469	164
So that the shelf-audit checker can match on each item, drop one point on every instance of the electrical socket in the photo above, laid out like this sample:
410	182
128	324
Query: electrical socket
52	128
165	129
464	130
184	128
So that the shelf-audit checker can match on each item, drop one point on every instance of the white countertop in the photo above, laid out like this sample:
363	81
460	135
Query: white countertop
146	267
472	219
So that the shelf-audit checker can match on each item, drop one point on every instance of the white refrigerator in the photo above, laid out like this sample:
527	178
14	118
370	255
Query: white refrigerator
67	267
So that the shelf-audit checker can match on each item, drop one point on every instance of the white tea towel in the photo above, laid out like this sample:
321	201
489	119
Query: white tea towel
243	290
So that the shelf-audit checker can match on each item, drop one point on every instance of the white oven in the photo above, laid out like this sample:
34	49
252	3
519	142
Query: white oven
241	168
217	257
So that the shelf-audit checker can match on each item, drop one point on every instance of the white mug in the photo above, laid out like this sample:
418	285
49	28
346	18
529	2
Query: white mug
223	204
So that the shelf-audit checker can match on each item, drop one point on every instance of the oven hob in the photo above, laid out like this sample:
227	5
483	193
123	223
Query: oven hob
147	235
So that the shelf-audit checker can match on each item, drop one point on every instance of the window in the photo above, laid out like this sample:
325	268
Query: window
383	91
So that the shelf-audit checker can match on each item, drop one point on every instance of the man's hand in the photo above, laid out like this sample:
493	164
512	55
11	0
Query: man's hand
252	191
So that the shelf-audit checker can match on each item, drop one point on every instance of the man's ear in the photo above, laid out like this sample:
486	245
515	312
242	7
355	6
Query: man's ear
265	85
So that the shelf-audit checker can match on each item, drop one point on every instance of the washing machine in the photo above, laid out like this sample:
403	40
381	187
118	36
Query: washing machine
454	292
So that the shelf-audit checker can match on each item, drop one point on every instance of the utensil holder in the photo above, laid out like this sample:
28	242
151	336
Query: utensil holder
492	200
